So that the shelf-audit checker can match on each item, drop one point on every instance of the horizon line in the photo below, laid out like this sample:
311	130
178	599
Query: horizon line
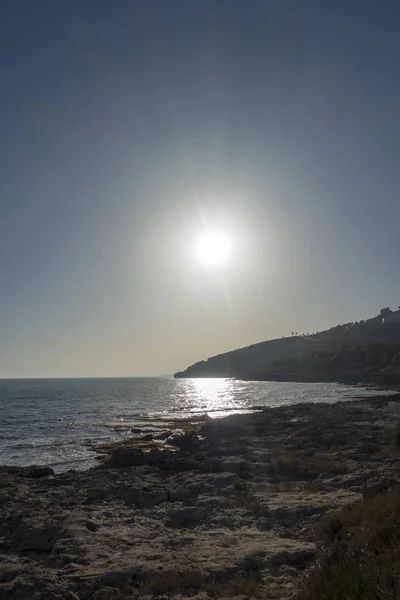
87	377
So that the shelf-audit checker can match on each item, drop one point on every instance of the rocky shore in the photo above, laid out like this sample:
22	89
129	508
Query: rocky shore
224	508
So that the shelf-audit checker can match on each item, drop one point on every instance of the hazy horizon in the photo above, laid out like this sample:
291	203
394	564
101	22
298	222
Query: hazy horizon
130	128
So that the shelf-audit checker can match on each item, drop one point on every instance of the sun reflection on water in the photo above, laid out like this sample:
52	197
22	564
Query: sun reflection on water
214	396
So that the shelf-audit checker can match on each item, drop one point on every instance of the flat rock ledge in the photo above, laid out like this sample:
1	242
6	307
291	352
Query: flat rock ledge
225	509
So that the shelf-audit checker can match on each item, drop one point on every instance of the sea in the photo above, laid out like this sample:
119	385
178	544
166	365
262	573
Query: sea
56	422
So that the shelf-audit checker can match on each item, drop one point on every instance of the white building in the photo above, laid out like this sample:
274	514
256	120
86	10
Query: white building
392	317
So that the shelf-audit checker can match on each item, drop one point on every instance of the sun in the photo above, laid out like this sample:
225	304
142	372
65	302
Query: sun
213	248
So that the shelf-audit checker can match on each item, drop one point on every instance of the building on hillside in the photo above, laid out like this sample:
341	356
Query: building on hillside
393	317
390	316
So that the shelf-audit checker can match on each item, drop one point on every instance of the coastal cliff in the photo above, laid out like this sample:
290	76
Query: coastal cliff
249	362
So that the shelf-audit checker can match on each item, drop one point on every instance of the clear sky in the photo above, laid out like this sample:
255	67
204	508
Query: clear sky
128	126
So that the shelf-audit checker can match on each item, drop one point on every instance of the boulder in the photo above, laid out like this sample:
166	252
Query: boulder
189	443
145	438
169	460
38	472
33	472
163	435
124	457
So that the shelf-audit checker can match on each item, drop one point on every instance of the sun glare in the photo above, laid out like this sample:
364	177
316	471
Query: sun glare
213	248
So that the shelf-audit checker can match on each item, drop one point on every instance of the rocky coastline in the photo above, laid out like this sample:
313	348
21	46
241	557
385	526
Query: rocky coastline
224	508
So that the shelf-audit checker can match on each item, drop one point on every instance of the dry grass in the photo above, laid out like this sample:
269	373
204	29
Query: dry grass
193	581
166	582
251	504
293	465
236	587
359	551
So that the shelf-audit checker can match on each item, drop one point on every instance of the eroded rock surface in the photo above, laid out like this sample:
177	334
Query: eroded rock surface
230	511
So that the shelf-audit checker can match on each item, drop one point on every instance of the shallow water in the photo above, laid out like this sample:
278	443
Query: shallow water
54	421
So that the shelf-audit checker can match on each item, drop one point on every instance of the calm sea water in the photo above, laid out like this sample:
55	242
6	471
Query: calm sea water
54	421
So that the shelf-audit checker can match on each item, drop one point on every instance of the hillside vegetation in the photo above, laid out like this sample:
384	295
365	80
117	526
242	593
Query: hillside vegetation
372	362
255	360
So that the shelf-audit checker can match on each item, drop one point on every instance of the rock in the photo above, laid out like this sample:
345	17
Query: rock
124	457
288	570
350	480
37	472
142	497
162	436
241	597
35	537
182	490
186	517
293	556
188	443
167	460
92	525
374	488
141	514
236	466
33	472
106	594
201	596
288	507
9	572
138	486
116	579
211	465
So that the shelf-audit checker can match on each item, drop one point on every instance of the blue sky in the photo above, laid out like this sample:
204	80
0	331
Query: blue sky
127	125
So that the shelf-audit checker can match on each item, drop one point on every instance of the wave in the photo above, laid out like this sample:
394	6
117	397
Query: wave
49	444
